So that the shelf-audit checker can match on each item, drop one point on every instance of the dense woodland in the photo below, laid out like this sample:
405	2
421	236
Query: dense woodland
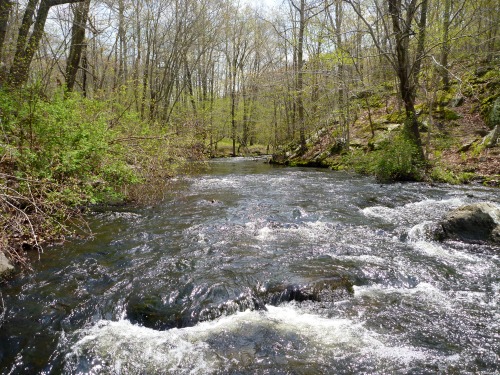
97	96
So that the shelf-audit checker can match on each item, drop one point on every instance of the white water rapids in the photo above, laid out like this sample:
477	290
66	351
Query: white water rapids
249	269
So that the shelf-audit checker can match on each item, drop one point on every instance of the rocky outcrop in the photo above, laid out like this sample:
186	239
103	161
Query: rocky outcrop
476	223
5	266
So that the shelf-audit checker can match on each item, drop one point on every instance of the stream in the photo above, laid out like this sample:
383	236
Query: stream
247	268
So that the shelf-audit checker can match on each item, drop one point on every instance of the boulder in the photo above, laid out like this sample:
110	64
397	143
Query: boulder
457	101
476	223
482	70
492	137
466	146
5	266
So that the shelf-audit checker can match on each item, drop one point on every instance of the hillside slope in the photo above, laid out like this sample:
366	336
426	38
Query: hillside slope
456	127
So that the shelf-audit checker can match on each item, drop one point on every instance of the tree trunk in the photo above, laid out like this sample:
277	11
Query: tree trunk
300	76
138	58
338	37
22	60
5	7
402	30
189	84
233	107
122	45
445	51
26	48
145	76
77	42
85	67
246	110
422	25
22	36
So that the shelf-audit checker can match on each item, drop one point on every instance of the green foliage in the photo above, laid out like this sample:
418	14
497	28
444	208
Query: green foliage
65	140
359	161
443	98
440	173
399	160
396	117
447	114
60	154
492	75
334	58
486	106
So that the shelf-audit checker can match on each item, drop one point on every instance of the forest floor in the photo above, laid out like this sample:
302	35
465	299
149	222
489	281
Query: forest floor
460	156
453	145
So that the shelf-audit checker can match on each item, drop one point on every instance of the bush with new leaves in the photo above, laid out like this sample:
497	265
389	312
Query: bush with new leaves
399	160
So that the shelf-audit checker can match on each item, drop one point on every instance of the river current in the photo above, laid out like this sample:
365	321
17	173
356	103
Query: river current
247	268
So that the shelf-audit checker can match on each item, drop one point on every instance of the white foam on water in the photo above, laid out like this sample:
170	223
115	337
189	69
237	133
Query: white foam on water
421	232
123	348
328	338
382	212
420	237
264	234
312	231
222	182
335	337
413	212
323	332
127	348
437	250
423	291
370	259
259	230
307	231
401	354
471	297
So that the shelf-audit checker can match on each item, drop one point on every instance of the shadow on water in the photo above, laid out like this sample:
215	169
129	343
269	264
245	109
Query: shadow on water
248	268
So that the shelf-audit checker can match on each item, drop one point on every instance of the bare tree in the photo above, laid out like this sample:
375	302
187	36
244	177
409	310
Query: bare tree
5	8
236	51
81	13
402	14
28	45
306	11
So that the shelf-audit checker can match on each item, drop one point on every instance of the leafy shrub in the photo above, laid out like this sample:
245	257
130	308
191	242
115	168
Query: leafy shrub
60	154
359	161
442	174
396	117
399	160
66	140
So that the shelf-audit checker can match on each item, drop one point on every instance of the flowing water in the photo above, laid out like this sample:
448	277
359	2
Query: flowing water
253	269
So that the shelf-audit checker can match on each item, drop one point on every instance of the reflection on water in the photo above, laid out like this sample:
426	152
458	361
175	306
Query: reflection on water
248	268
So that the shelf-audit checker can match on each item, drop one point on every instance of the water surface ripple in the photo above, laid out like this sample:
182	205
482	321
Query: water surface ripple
254	269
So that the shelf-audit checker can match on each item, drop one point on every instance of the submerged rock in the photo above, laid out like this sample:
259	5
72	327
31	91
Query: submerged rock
479	222
329	290
159	313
